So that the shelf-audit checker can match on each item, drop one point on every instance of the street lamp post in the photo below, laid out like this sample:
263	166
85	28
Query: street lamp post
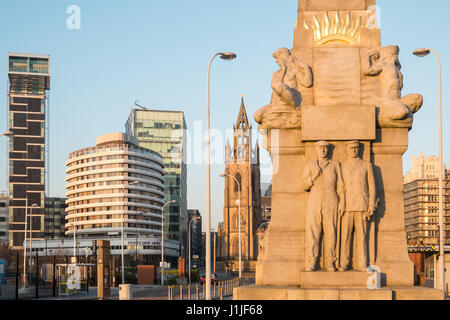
224	56
74	242
239	219
122	237
423	53
162	240
189	235
214	246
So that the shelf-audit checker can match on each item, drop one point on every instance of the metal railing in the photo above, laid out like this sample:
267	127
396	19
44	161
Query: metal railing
219	290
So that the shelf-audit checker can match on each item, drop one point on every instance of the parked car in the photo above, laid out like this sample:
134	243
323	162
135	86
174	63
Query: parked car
213	278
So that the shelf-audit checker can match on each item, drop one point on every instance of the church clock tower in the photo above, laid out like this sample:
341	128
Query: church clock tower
242	177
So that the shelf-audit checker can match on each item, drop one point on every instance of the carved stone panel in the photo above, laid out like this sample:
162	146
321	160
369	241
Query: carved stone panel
337	76
343	123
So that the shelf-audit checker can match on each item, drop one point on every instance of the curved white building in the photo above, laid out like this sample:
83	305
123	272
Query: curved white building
112	181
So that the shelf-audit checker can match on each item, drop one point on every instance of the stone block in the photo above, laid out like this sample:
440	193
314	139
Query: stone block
328	5
313	294
278	273
417	293
370	37
296	293
283	142
303	38
365	294
324	279
316	294
289	216
343	123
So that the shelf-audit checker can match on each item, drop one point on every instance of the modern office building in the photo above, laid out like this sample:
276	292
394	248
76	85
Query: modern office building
196	234
165	133
421	193
116	182
29	82
55	214
4	212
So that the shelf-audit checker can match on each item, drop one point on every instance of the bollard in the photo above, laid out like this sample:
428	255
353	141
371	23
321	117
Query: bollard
37	276
17	276
221	293
125	292
189	292
181	292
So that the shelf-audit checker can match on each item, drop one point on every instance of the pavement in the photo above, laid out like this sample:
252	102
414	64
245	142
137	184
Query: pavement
138	292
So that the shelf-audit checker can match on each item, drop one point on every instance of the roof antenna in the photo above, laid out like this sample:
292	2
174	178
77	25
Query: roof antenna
136	104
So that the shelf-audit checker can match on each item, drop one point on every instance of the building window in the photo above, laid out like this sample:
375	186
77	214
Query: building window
238	183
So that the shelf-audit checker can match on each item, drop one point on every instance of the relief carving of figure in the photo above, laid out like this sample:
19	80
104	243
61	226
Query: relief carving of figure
286	84
323	180
360	205
384	63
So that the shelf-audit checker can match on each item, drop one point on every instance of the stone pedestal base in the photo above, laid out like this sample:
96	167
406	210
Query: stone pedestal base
296	293
343	280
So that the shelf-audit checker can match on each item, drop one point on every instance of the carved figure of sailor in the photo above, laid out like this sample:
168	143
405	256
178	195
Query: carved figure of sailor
360	205
323	180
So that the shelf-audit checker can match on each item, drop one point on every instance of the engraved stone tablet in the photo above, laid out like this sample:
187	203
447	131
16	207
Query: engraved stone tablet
336	123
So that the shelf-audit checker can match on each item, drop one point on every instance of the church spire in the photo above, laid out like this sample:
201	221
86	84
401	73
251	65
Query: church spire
242	120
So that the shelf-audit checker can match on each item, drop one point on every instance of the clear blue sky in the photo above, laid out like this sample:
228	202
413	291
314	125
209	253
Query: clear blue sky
157	52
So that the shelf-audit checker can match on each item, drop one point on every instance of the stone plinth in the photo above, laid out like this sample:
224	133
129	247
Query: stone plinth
322	279
296	293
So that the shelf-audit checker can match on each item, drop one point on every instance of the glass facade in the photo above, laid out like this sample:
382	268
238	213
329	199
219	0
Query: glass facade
3	219
165	133
29	82
55	213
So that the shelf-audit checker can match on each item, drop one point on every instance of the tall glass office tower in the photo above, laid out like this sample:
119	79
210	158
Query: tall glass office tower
29	82
165	133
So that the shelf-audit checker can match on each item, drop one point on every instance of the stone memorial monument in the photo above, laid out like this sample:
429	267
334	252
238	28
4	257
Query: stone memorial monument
336	128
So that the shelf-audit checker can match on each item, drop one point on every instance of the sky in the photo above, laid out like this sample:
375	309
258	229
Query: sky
157	52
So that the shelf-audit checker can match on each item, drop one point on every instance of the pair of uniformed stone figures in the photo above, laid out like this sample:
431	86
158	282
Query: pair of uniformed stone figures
339	195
